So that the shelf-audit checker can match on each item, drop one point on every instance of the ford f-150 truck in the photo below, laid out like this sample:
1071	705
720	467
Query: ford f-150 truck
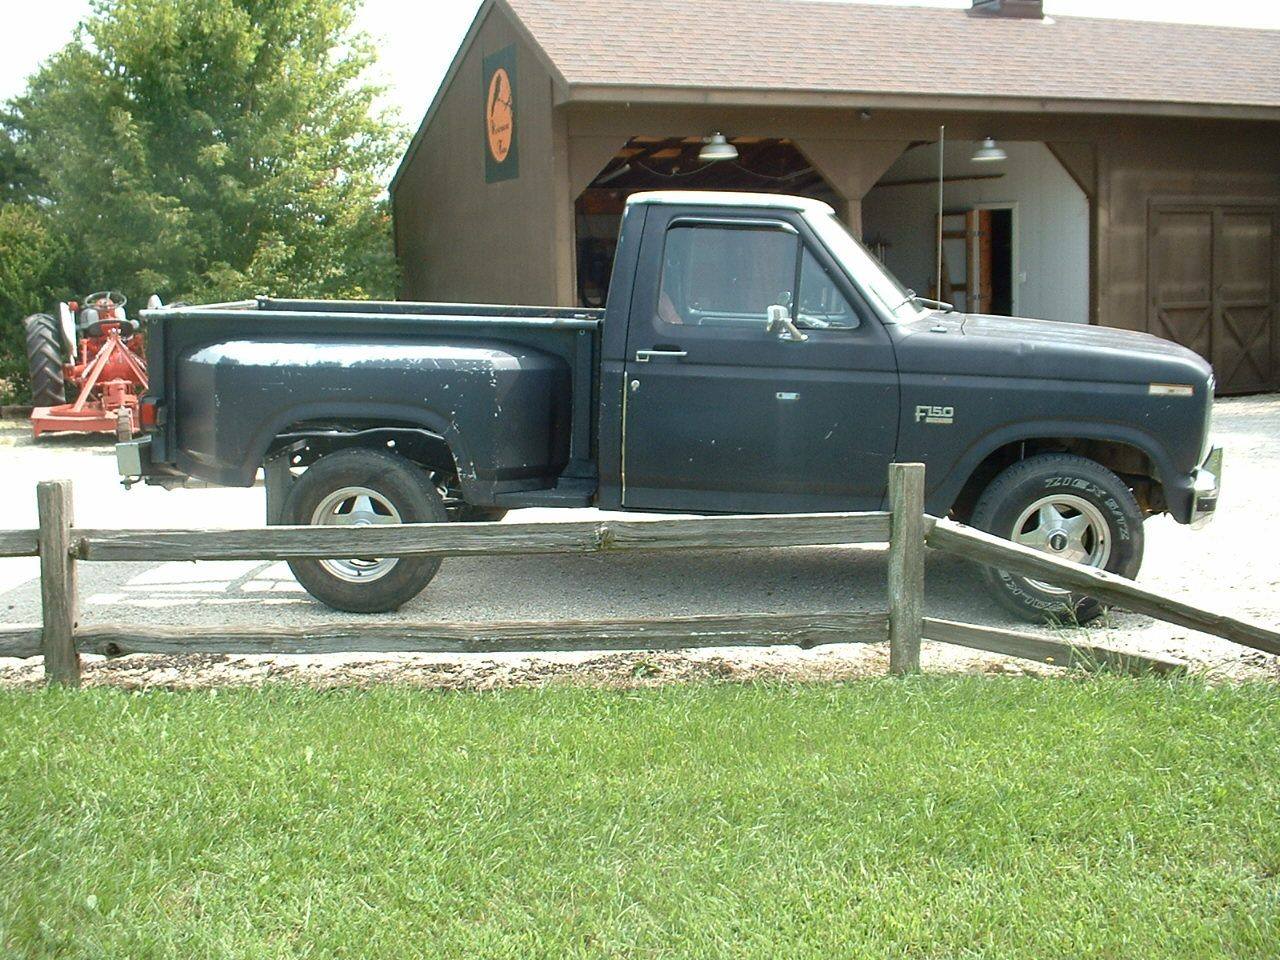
752	357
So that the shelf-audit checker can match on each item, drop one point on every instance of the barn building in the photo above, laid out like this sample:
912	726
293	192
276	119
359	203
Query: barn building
1092	171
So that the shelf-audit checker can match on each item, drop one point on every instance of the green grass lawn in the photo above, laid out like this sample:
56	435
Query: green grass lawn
937	817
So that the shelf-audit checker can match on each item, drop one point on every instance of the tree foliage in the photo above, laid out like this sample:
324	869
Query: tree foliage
30	255
213	149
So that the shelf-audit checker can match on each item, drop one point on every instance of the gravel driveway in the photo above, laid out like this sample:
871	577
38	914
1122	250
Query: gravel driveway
1229	566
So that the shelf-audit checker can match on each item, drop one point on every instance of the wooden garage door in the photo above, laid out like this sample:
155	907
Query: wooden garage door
1213	284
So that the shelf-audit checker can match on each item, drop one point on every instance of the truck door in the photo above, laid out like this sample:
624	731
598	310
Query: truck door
724	411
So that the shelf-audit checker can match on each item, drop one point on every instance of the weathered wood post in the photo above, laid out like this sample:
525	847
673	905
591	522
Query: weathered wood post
57	583
906	566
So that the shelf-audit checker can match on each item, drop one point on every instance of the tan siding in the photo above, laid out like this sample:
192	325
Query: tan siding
1196	162
458	237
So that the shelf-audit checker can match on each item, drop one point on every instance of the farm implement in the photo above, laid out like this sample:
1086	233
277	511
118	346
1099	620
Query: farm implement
96	350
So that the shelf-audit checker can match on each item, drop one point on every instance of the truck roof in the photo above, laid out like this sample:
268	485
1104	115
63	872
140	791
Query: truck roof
732	199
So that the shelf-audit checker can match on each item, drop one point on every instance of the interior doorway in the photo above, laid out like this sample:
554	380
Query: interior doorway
980	259
1002	268
1016	230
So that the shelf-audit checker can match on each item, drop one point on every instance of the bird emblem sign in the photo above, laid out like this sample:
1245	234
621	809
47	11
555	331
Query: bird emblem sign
499	115
501	159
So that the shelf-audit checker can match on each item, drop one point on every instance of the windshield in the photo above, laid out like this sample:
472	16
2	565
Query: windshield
865	270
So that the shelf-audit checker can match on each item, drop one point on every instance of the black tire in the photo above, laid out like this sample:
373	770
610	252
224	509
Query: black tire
1074	480
44	360
399	485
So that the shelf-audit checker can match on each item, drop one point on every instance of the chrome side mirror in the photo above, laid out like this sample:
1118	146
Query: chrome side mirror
781	325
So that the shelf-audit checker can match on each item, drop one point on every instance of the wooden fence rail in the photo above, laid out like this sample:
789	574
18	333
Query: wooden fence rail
484	539
993	552
61	545
19	543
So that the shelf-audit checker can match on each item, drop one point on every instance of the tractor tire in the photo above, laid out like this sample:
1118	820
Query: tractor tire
44	360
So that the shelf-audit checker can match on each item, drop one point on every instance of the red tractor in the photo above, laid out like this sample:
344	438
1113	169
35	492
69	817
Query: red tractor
107	367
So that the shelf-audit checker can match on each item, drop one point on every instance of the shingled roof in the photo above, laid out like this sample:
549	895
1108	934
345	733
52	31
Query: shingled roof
777	50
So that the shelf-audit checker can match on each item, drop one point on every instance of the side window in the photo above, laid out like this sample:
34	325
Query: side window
822	306
716	275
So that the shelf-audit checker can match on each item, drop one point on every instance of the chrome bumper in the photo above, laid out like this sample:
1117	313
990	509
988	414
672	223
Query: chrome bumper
1206	482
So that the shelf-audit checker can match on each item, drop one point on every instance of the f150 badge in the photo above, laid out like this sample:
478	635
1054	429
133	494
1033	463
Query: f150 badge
929	414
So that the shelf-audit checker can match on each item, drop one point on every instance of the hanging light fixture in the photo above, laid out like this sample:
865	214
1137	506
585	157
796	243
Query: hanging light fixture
988	152
717	147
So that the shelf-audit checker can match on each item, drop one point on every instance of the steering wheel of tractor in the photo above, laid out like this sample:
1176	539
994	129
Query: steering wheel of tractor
114	297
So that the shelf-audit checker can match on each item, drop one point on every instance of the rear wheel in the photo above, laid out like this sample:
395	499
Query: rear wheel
1070	508
364	488
44	360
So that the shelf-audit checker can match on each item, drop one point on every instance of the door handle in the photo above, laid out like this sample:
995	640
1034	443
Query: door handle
644	356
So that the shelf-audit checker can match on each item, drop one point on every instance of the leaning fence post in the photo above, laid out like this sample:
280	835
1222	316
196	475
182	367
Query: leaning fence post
57	583
906	566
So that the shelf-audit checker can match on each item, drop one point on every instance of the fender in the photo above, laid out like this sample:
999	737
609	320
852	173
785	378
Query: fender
389	416
242	472
942	496
495	408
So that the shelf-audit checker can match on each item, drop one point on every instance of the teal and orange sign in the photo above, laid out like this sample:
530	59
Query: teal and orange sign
501	156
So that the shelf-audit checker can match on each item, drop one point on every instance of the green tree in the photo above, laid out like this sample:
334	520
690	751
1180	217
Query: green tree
19	181
30	258
213	149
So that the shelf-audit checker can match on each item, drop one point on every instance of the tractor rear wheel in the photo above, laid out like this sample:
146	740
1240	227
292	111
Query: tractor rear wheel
44	360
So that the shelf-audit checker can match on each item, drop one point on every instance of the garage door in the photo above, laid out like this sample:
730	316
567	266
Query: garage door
1213	280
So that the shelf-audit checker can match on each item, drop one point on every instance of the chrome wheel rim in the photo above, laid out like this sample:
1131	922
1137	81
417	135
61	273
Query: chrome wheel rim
1067	527
356	507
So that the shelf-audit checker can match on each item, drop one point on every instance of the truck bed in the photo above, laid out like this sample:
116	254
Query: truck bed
214	430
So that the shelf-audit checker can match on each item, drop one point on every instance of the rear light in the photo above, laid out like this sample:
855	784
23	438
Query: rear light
147	415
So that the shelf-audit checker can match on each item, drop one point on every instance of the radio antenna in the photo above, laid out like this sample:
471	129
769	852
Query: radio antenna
942	140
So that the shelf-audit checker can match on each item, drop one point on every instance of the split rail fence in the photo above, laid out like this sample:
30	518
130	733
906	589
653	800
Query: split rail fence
62	546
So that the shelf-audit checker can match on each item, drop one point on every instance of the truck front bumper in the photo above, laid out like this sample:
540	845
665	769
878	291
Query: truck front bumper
1206	481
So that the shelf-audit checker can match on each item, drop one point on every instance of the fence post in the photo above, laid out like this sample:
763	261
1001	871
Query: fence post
57	583
906	566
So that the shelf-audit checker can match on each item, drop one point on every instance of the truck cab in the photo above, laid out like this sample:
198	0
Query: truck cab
753	356
751	368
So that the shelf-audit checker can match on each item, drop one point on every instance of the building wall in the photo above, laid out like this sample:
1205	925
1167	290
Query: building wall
1141	163
1052	222
462	239
459	238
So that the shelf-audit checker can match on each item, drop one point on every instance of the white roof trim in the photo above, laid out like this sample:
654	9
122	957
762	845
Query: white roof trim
728	198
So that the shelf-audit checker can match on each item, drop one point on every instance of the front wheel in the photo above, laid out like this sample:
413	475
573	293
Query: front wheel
362	488
1070	508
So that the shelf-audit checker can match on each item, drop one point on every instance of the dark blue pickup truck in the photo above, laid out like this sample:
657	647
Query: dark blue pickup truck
753	357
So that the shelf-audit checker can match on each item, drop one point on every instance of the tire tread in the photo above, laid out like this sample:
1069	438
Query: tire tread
1081	608
411	574
44	360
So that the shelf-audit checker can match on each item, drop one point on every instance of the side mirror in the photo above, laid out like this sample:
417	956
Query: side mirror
781	325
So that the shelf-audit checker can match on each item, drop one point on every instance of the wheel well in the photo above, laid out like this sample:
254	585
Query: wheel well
308	441
1128	462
